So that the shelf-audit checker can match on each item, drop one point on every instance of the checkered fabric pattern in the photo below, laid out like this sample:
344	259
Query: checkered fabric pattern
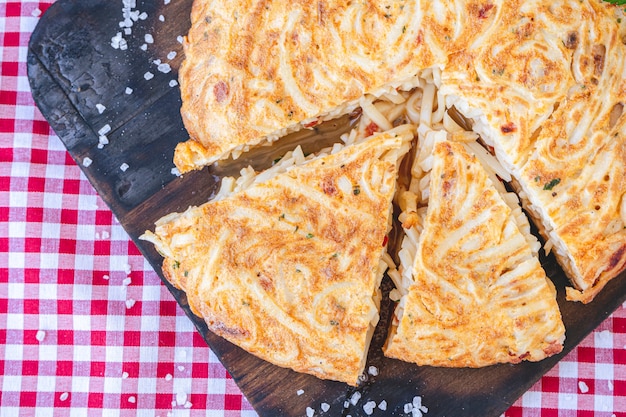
87	328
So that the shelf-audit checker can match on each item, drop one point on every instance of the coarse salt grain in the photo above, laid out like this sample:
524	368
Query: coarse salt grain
128	31
181	397
383	405
372	370
162	18
310	412
168	377
124	375
40	335
143	16
346	404
36	12
148	76
355	398
105	234
171	55
164	68
610	384
175	171
166	1
126	281
173	83
187	404
300	392
179	39
181	368
368	407
105	277
124	167
156	62
64	396
144	47
101	108
127	269
128	90
325	407
102	141
584	388
148	38
104	130
87	161
130	303
132	399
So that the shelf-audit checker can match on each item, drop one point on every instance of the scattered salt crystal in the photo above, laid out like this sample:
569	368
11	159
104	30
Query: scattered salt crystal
128	90
64	396
173	83
127	269
103	140
610	384
181	368
124	167
164	68
325	407
124	375
105	277
128	31
87	161
181	398
148	75
175	171
372	370
416	413
143	16
408	407
156	62
179	39
168	377
355	398
310	412
383	405
132	399
368	407
130	303
187	404
173	403
123	45
346	404
105	234
40	335
148	38
161	18
300	392
166	1
104	130
97	235
36	13
144	47
417	401
584	388
101	108
126	281
171	55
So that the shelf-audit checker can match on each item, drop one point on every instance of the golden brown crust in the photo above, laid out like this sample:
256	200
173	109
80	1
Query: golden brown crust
289	269
479	295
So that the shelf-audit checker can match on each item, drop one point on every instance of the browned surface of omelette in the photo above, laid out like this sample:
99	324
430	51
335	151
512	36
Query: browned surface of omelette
479	296
549	84
289	269
254	69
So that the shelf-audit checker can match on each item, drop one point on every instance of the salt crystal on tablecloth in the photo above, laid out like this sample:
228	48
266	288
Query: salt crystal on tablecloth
105	234
124	375
127	269
168	377
187	404
130	303
181	398
610	384
126	281
132	399
36	13
584	388
64	396
40	335
181	368
105	277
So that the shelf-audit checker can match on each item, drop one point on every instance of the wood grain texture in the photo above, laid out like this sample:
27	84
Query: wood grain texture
72	67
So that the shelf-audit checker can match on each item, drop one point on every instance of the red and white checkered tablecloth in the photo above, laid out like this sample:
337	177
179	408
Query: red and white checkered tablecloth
87	328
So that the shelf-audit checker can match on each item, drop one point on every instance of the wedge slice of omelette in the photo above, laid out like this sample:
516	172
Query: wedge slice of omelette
476	294
289	268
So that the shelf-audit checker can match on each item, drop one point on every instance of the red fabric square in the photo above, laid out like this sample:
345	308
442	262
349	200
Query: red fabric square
41	127
36	184
9	69
132	338
32	244
14	9
39	156
232	402
67	246
167	308
8	97
65	276
69	216
99	307
586	354
98	338
164	368
28	399
200	370
167	338
619	356
4	308
31	276
30	367
104	217
65	307
95	400
7	125
31	306
34	214
97	368
65	337
71	186
163	401
64	368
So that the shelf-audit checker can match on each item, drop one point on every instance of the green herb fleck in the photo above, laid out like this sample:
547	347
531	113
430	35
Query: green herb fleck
356	190
176	265
298	270
309	235
245	303
403	29
334	323
336	254
550	185
281	217
537	178
186	273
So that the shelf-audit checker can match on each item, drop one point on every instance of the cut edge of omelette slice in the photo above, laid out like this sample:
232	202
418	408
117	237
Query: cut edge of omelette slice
471	290
287	264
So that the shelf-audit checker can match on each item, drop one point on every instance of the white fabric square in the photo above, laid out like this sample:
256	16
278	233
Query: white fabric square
82	291
81	322
568	369
112	385
18	198
17	230
567	401
531	399
13	353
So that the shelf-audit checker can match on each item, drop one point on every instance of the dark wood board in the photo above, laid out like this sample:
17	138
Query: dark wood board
72	67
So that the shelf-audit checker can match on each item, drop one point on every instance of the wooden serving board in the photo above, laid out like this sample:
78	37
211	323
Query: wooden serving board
72	67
